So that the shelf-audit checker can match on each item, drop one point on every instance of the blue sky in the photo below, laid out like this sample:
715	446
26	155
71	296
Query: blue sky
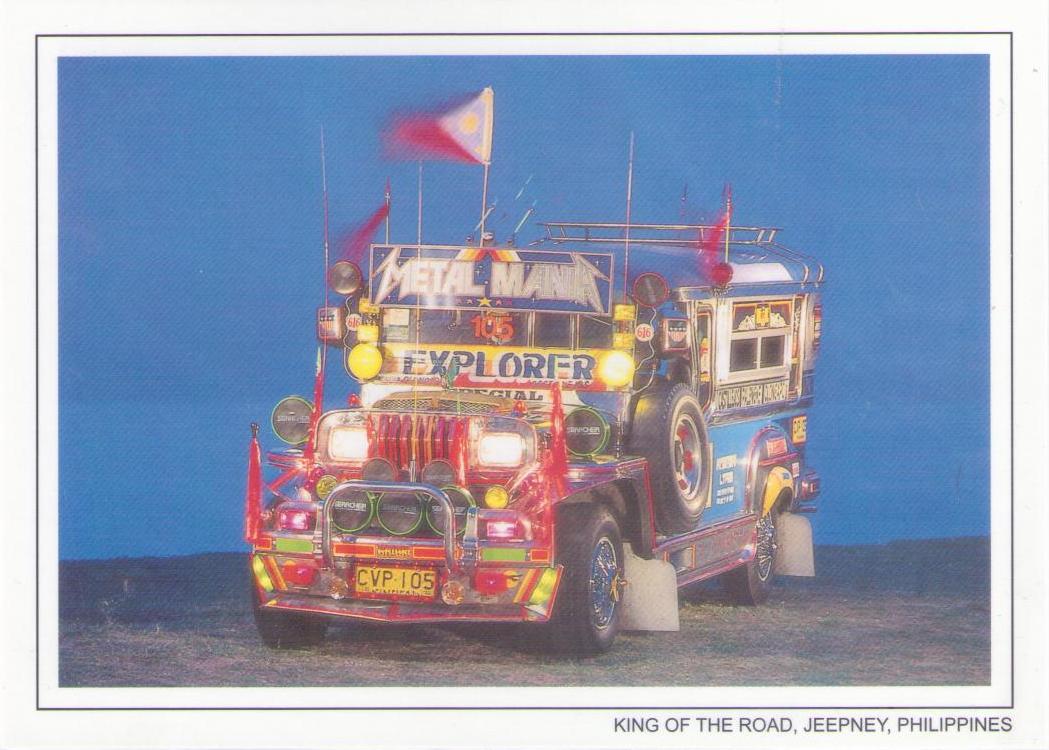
190	252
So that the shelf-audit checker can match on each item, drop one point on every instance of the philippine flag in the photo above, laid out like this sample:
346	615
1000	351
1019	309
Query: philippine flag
461	131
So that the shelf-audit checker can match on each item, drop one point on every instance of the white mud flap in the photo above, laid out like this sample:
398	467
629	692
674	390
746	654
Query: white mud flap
794	546
650	596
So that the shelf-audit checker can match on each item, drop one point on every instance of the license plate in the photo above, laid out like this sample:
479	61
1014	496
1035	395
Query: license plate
381	581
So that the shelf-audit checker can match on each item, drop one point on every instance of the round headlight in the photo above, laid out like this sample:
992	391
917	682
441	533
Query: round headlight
461	502
586	432
291	419
615	368
364	361
399	513
439	473
378	470
351	510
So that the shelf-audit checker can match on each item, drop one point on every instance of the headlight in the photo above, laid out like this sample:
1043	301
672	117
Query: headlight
348	443
500	449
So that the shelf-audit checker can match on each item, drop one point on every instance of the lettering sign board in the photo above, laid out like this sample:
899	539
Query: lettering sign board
752	394
491	367
452	277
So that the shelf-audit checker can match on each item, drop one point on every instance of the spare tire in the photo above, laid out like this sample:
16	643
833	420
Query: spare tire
669	431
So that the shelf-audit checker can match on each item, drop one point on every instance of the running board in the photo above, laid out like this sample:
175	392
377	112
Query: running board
650	596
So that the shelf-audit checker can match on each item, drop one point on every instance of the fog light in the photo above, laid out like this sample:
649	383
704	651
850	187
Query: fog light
496	497
453	592
616	368
295	519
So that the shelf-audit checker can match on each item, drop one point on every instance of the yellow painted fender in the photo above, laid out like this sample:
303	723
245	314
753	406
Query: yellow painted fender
778	479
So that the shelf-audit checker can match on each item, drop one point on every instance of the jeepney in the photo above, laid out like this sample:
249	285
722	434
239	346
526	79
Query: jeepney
560	434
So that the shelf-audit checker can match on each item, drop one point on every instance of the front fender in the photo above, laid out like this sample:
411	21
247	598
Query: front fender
778	480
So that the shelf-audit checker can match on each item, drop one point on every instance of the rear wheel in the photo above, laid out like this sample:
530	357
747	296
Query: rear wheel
750	583
586	613
669	431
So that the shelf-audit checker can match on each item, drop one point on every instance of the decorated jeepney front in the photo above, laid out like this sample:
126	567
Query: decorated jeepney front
431	497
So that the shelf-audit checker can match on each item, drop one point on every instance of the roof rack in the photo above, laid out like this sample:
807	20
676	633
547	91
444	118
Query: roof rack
761	240
652	234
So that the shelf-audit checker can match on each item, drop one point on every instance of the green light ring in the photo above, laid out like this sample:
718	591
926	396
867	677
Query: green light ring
371	499
606	431
469	499
274	412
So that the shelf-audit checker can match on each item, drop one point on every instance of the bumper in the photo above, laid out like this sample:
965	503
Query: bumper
458	576
484	595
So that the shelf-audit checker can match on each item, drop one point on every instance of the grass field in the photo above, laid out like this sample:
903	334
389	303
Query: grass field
906	613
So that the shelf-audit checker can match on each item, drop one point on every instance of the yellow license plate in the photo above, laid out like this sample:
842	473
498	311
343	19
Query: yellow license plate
382	581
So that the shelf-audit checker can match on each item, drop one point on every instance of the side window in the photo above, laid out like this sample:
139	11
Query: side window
759	336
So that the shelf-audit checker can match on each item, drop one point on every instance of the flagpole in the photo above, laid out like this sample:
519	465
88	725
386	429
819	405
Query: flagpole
484	204
419	218
629	200
387	210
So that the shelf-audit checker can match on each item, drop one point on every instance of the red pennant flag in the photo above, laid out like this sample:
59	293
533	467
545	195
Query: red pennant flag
459	131
352	244
713	243
253	497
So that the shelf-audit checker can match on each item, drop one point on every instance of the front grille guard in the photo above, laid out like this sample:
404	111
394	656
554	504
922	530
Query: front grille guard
424	489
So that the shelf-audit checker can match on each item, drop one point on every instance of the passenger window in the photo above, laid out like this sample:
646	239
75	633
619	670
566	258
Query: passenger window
552	329
744	355
772	351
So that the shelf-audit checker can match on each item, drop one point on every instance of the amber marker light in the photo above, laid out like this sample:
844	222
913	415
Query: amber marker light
496	497
364	361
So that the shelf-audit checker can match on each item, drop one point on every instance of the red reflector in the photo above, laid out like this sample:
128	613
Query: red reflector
776	447
295	520
491	582
298	574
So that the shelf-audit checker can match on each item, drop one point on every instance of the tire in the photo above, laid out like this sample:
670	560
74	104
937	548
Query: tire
669	431
750	584
585	620
287	630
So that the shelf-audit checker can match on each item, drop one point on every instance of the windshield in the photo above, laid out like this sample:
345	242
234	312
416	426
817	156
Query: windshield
496	328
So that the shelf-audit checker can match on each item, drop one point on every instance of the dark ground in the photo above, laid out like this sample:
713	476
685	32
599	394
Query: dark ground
906	613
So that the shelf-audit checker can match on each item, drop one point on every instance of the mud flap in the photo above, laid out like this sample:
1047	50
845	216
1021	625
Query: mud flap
650	596
794	546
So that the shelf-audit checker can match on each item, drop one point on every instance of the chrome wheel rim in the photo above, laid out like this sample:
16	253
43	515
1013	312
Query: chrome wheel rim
604	572
765	549
686	449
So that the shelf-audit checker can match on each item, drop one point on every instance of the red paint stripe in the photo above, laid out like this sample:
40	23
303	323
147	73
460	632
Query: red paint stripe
351	549
427	553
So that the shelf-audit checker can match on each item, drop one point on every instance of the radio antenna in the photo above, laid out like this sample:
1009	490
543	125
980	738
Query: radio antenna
629	200
322	351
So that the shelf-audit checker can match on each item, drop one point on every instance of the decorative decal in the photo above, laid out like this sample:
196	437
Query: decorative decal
799	428
741	396
447	277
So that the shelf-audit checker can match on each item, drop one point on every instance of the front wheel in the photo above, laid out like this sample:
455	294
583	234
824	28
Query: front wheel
287	630
750	583
586	613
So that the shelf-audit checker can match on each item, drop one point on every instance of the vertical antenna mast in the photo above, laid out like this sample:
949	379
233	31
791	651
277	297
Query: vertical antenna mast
629	200
419	218
387	196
